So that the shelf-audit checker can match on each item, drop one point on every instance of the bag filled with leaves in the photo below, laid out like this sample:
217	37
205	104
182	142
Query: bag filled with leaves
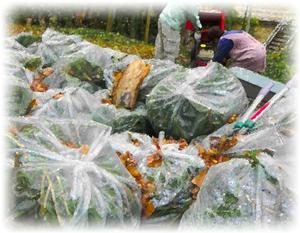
195	102
273	131
68	103
19	97
164	171
160	69
20	57
65	173
55	45
26	39
77	103
121	119
241	192
83	70
75	72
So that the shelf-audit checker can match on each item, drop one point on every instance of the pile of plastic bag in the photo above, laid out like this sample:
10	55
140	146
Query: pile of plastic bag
77	159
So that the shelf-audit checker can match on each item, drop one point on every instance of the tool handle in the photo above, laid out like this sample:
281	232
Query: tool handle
289	83
265	90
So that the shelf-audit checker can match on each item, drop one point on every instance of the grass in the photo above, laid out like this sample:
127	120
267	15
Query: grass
99	37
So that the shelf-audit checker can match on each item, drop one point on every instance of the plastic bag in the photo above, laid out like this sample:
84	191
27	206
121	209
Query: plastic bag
55	45
239	192
20	60
195	102
121	119
67	103
273	130
75	103
27	39
172	179
74	71
160	70
66	174
19	98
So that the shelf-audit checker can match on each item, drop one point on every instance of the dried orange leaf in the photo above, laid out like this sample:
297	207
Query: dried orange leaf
182	144
85	149
198	180
31	106
135	142
148	186
106	101
70	144
154	160
232	118
134	172
126	85
58	95
46	72
148	209
195	192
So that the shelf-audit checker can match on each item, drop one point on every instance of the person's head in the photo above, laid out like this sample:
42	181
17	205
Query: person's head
214	33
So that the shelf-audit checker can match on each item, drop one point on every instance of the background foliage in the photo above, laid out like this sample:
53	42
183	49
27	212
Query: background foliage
127	31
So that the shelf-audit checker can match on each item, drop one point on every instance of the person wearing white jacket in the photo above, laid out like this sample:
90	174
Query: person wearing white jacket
171	21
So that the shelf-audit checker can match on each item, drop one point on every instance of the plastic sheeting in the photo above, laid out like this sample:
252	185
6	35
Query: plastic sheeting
195	102
237	193
66	174
273	130
172	179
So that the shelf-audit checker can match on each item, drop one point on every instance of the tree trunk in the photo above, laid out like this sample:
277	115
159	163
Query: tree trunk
249	20
109	23
147	28
133	25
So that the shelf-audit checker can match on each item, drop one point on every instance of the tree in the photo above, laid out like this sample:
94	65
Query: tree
147	27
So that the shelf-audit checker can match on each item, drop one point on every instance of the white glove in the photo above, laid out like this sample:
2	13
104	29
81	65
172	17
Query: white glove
197	35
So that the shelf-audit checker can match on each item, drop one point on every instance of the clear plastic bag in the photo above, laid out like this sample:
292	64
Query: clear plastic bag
273	130
239	192
55	45
172	179
66	174
121	119
68	103
20	62
19	97
195	101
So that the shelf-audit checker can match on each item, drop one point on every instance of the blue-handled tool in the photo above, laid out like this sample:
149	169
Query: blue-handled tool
250	123
261	95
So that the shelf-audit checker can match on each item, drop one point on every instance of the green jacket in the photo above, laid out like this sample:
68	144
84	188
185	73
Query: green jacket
176	15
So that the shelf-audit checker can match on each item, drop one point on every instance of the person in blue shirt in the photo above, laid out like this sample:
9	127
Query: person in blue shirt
244	50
